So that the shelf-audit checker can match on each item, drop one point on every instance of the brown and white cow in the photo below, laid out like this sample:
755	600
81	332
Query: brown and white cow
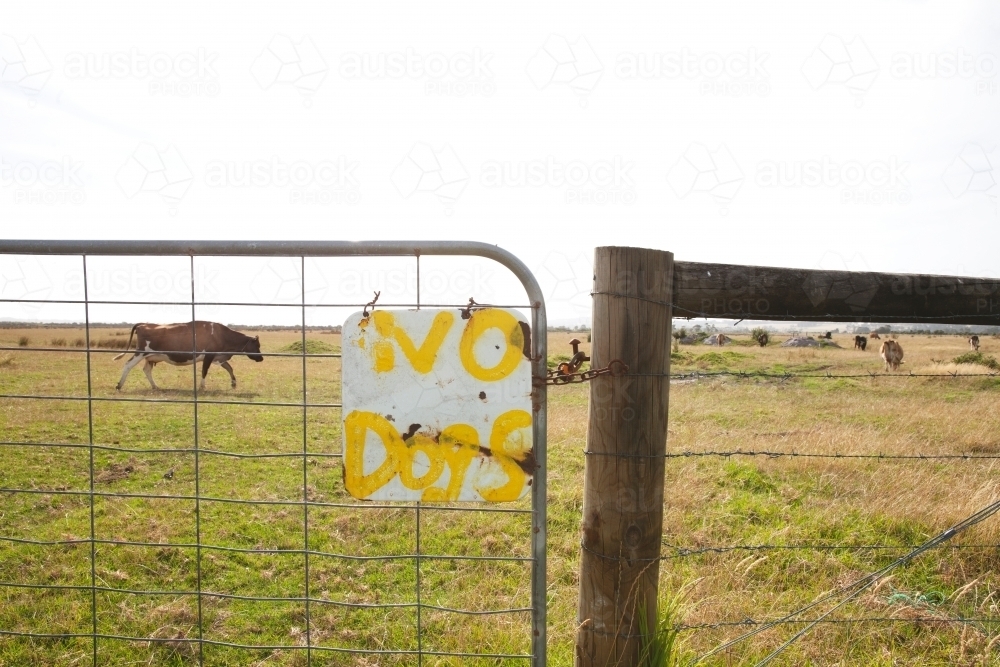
173	344
892	354
974	343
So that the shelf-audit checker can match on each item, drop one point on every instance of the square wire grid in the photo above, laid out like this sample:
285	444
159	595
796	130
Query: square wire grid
422	558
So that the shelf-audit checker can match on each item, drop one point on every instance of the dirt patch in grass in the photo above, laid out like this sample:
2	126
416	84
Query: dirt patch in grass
115	472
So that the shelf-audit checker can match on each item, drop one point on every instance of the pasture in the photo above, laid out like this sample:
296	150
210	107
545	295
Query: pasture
848	504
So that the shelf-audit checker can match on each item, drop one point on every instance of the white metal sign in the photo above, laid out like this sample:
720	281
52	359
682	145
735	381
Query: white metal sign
437	405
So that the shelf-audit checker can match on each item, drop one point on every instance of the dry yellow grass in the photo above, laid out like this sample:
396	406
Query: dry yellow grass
711	501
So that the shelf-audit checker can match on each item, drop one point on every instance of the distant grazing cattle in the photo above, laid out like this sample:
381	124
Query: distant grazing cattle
974	343
874	336
860	343
829	335
763	339
173	344
892	354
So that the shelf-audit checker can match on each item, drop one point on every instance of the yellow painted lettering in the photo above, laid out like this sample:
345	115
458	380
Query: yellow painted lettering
420	443
421	358
479	323
500	478
459	444
385	356
509	445
356	427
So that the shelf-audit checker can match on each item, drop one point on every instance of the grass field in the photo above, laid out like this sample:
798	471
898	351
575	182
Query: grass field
710	501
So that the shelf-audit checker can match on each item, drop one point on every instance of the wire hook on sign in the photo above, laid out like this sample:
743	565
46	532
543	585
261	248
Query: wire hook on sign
472	305
561	375
370	304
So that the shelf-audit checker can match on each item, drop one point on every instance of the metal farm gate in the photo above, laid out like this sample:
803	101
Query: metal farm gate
405	617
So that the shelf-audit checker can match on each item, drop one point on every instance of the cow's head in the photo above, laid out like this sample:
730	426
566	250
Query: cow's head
253	349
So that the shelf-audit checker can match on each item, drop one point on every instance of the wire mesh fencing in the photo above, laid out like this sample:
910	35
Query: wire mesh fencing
213	526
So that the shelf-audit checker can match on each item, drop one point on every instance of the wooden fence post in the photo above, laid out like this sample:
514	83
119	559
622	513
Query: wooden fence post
626	443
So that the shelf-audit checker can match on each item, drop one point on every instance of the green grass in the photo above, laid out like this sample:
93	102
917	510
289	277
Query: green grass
711	361
709	501
312	347
336	533
978	358
556	359
660	643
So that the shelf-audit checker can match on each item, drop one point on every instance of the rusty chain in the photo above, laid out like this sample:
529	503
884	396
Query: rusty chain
564	373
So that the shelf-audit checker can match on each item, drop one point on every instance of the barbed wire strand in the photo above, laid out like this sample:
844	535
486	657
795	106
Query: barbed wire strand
825	376
793	454
684	552
684	627
853	589
775	455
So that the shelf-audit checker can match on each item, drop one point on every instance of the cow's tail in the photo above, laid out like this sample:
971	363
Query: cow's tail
128	345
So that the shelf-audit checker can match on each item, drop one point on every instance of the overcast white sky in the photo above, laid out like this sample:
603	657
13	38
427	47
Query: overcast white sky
852	135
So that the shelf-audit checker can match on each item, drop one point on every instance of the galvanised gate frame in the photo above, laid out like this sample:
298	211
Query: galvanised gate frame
302	249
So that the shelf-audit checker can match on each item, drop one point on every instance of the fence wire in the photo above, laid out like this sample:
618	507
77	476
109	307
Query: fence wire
919	615
848	592
304	503
697	375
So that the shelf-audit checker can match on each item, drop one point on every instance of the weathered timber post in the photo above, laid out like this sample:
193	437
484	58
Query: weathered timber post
626	443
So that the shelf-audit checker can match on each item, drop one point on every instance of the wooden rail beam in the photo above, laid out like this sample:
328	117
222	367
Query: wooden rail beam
768	293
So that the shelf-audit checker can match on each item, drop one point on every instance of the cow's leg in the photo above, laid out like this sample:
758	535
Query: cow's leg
204	368
232	375
148	370
128	369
